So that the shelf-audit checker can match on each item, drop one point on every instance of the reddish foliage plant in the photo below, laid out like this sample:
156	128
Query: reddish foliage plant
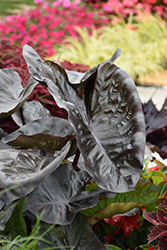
126	224
159	220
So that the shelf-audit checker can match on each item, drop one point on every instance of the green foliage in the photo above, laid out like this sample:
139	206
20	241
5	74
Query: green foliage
110	247
143	44
21	242
146	193
10	7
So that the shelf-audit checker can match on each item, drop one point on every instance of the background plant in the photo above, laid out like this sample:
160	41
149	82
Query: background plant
37	26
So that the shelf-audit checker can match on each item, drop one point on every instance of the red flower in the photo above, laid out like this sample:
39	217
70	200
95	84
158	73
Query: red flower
127	224
156	168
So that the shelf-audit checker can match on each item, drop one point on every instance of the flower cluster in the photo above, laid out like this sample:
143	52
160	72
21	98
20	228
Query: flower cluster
126	7
48	25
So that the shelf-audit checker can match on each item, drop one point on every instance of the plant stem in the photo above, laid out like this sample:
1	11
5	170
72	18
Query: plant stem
75	162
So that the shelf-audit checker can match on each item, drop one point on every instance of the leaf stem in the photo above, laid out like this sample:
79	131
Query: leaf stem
75	162
22	117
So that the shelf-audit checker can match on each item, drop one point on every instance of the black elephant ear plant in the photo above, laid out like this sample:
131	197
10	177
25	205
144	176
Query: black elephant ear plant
65	168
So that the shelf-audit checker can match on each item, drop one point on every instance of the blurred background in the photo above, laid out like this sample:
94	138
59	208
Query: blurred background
88	32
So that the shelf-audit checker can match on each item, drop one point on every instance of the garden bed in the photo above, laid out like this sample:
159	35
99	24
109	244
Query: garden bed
58	135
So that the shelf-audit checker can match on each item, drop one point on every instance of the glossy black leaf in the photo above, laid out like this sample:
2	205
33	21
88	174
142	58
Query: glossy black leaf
156	126
6	213
12	94
78	236
2	144
34	110
33	61
23	170
109	122
51	132
109	127
62	195
65	94
18	118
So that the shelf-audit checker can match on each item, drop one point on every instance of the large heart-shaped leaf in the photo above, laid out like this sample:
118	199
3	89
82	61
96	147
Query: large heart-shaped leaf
6	213
2	144
24	170
109	122
62	195
51	132
34	110
12	94
146	193
78	235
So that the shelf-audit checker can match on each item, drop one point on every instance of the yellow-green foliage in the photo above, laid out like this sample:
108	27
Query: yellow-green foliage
144	49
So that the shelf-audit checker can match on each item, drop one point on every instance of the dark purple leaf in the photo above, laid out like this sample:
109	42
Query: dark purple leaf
34	110
163	242
51	132
163	204
152	217
23	170
156	126
77	235
156	232
109	122
162	216
6	213
2	144
62	195
32	56
12	94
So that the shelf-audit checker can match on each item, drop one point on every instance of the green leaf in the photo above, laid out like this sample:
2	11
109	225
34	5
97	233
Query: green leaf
155	179
134	239
111	247
147	246
146	193
155	173
16	224
163	189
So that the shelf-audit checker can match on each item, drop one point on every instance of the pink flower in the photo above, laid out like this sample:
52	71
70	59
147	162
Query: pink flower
66	3
165	2
55	23
51	52
38	1
76	2
46	5
113	6
57	3
129	3
32	28
25	40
